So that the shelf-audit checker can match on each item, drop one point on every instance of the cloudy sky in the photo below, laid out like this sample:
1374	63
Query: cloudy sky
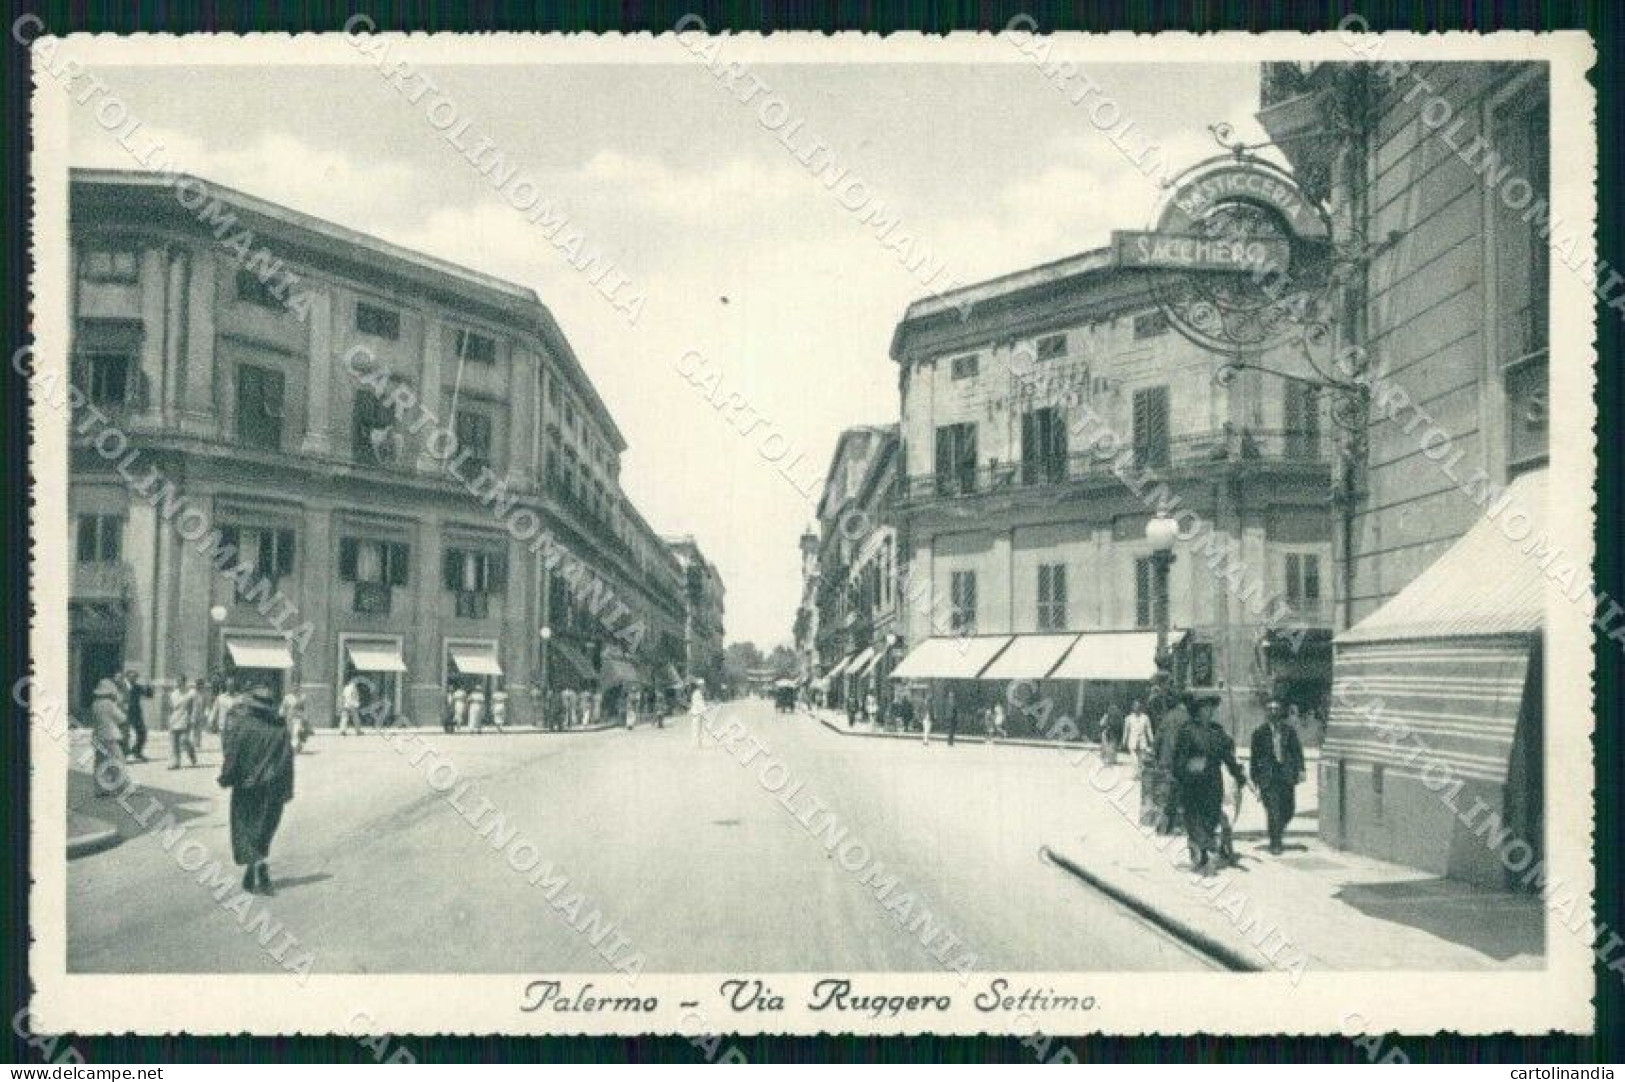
989	166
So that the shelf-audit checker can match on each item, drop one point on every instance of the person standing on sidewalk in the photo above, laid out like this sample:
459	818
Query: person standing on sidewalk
476	709
696	710
107	736
181	701
1111	734
220	710
295	716
1176	716
134	692
1202	748
499	709
350	707
1277	768
258	769
200	712
1137	736
951	709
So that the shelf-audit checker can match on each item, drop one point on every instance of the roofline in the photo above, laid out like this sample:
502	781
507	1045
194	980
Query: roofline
521	299
1090	262
893	430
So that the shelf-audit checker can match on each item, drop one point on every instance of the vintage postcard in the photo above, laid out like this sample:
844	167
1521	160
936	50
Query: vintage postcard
708	534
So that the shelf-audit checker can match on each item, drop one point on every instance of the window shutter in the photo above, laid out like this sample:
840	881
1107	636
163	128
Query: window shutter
347	559
945	451
451	569
496	573
399	555
284	552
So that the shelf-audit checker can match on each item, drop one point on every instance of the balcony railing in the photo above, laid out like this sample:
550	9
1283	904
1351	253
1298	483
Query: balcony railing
101	582
1186	452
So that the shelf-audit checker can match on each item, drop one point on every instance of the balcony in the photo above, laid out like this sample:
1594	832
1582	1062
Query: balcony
1240	446
101	582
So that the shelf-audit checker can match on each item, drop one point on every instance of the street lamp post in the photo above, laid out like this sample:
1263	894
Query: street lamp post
545	633
1162	531
217	622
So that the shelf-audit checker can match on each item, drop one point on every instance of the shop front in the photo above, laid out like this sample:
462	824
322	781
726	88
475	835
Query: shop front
258	659
376	663
1433	754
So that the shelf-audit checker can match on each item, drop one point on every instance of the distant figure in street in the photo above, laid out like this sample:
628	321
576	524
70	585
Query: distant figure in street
295	716
499	710
350	707
567	716
107	736
258	769
630	705
1111	734
476	708
1200	750
448	716
134	718
696	710
1173	722
995	723
871	709
1137	736
179	723
220	710
459	706
925	724
1277	768
851	712
951	711
200	712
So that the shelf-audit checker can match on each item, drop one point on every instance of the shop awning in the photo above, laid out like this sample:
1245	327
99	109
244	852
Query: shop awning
1030	657
1484	584
474	660
619	670
568	666
259	653
1113	655
375	656
1457	698
959	657
840	667
860	664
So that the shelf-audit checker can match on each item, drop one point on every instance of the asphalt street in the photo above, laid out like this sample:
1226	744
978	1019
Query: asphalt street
697	864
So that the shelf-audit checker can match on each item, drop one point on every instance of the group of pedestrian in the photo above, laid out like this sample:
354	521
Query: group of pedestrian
469	710
1182	760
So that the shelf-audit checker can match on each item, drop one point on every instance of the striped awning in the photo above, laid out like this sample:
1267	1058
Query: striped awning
1487	583
1114	655
259	653
1447	702
1030	657
960	657
839	667
863	662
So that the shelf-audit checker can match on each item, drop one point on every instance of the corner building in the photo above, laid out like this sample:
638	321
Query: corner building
257	359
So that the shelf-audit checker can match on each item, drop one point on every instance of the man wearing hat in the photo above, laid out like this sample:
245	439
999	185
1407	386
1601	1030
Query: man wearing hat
1277	768
258	769
1200	750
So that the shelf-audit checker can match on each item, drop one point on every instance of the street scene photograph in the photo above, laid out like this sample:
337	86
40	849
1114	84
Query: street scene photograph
714	534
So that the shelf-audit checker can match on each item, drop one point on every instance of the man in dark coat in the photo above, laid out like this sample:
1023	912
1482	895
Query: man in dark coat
1277	768
258	768
134	692
1176	716
1201	748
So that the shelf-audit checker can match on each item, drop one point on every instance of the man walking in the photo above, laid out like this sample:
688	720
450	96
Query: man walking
1111	734
696	710
181	701
1201	748
200	712
1175	718
951	709
1137	736
1277	768
350	707
258	769
134	692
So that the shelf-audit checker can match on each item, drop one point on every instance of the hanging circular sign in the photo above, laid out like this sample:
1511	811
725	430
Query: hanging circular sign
1243	255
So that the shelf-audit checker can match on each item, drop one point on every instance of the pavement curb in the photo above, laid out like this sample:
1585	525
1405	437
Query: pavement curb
971	739
512	730
1188	934
92	841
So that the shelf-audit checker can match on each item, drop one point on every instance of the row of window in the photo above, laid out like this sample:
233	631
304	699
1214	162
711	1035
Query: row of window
122	265
1302	588
1051	347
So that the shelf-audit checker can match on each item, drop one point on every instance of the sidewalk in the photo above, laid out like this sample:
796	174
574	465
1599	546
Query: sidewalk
1314	905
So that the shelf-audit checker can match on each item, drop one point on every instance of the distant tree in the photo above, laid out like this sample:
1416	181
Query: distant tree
737	661
782	661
